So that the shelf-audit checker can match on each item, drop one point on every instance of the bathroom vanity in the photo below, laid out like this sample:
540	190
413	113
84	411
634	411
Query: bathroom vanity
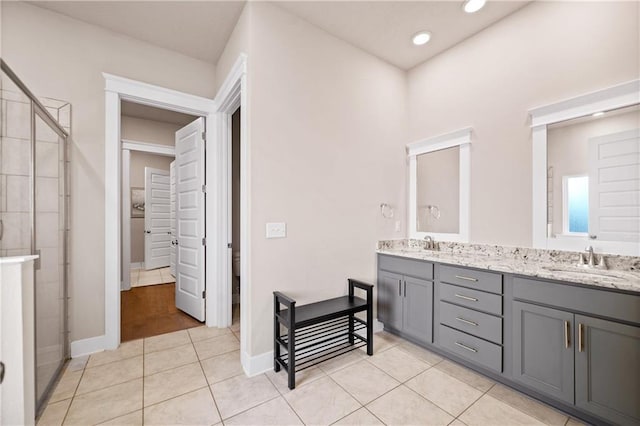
532	320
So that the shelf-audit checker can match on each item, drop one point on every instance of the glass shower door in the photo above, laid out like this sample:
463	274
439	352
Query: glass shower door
48	242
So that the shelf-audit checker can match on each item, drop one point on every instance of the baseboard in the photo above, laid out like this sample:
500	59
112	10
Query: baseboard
137	265
377	326
87	346
254	365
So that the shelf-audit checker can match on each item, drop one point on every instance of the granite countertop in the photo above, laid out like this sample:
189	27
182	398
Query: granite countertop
623	272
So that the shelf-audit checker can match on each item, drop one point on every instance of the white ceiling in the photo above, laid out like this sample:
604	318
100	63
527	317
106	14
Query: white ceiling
200	29
385	28
146	112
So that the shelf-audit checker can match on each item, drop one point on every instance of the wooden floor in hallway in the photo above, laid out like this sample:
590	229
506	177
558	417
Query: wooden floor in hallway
151	310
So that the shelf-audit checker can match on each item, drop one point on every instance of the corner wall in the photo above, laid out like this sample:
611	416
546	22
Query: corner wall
543	53
328	134
64	58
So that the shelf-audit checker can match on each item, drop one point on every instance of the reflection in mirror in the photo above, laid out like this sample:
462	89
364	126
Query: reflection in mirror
593	177
438	191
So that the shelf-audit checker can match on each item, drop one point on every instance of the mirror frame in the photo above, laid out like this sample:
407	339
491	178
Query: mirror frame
614	97
460	138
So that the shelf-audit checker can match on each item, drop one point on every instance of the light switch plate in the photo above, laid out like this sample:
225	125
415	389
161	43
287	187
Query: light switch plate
276	230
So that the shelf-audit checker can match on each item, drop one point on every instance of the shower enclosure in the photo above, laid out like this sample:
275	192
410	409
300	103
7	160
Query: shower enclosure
34	203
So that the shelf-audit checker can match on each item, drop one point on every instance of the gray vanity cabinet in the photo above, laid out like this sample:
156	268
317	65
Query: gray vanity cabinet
607	366
390	299
417	321
542	350
405	300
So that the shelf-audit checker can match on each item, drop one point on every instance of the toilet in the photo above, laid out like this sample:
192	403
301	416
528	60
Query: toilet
235	264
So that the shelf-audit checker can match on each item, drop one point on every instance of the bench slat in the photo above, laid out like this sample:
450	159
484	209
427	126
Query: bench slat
325	310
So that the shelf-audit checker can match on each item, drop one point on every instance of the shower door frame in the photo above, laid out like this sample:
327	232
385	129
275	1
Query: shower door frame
37	109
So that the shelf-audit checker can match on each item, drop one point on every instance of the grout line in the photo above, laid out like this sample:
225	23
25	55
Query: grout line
474	402
73	396
252	407
215	403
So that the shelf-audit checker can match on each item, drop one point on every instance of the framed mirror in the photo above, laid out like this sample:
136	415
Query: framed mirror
586	172
439	187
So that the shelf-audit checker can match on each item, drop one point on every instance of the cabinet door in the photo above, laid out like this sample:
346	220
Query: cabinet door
542	350
390	299
608	369
417	321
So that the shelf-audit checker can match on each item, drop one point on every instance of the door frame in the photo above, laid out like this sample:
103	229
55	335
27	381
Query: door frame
129	145
118	89
231	95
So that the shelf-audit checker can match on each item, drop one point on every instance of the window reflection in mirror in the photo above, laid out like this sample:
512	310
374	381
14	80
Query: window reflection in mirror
593	176
438	191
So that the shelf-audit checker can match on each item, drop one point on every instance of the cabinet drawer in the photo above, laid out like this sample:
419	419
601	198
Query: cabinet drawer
473	322
472	348
414	268
480	280
487	302
621	306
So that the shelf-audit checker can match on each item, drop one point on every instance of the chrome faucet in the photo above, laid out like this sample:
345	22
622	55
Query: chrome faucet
429	243
589	259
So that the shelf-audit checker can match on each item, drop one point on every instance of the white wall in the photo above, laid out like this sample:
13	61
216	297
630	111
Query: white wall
149	131
545	52
63	58
327	142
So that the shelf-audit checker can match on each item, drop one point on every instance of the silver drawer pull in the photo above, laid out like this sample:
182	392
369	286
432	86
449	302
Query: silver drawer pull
466	321
473	299
466	347
462	277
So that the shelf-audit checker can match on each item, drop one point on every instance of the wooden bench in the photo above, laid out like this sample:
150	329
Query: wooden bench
313	333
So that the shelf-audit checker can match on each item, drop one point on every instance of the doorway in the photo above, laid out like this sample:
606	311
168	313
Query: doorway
148	300
236	259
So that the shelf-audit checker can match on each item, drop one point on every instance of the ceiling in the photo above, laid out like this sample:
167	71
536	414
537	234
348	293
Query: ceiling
131	109
385	28
200	29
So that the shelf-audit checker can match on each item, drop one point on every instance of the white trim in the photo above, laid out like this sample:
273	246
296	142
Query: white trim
618	96
126	219
88	346
462	139
232	94
614	97
436	143
254	365
116	90
151	148
137	265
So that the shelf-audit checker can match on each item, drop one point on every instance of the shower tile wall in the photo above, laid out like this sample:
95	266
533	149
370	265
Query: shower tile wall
15	212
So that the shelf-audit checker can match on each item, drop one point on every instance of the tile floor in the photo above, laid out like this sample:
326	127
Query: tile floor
142	277
194	377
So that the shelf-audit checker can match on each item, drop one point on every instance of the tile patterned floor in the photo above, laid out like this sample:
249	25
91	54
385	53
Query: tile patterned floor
142	277
194	377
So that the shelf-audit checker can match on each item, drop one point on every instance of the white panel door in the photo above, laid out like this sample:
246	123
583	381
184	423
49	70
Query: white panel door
614	186
157	238
190	199
172	217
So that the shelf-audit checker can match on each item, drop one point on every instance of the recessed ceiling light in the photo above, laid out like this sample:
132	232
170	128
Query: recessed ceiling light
472	6
421	38
597	114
